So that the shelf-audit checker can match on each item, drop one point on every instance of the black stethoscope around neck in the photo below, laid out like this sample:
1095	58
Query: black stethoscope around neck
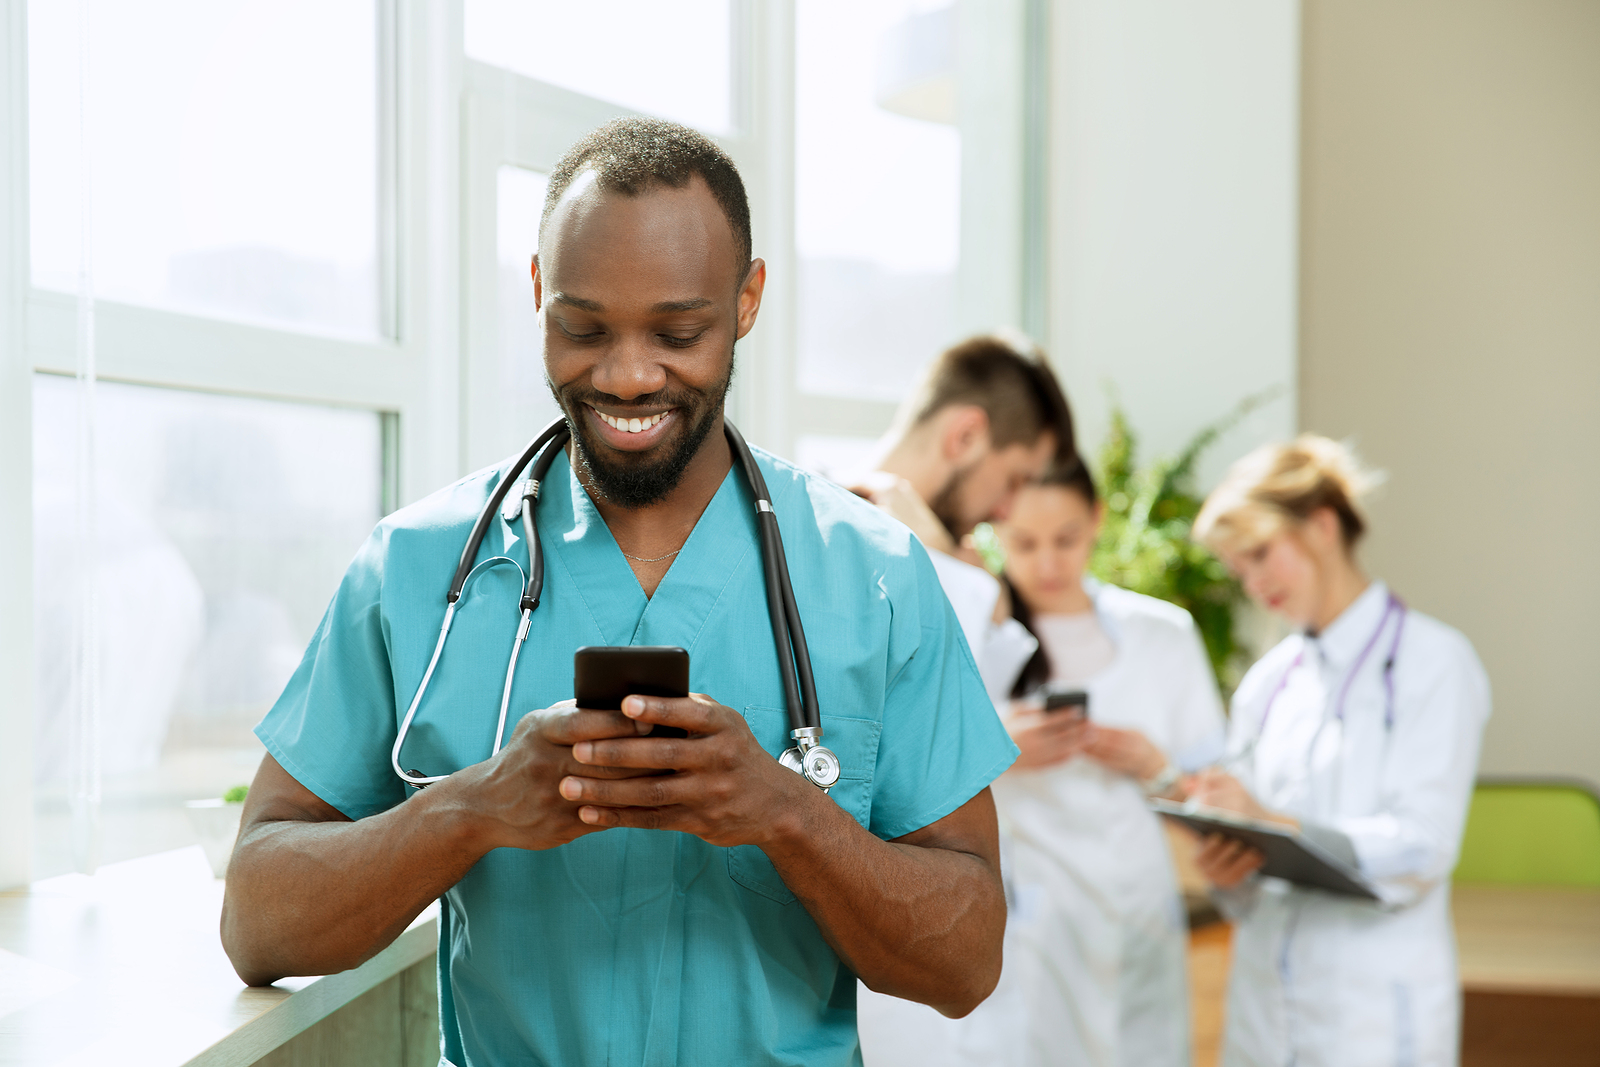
807	757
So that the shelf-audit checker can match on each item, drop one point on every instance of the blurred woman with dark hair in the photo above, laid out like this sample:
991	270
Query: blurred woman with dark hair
1096	936
1095	970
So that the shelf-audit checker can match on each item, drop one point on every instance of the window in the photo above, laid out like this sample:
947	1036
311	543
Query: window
833	456
264	183
234	173
519	200
672	60
232	161
223	525
877	195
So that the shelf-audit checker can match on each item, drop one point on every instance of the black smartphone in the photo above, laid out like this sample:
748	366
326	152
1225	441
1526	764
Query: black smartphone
603	674
1066	700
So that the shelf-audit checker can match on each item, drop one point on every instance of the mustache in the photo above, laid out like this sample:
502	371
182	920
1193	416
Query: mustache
661	398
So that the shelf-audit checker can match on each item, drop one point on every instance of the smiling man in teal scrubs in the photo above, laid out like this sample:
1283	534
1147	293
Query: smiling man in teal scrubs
612	898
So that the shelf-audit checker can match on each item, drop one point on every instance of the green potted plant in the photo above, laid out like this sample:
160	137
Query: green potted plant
1144	544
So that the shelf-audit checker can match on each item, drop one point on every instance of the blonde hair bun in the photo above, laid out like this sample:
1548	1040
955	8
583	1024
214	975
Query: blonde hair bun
1280	484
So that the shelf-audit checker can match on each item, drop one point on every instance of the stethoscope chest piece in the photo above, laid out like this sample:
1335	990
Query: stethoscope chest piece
808	758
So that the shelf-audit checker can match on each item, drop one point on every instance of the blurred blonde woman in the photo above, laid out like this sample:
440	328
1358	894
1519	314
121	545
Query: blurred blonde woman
1094	953
1362	729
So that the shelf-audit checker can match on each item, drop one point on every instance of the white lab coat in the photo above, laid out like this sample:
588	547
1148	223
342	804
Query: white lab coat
1000	649
1094	968
1321	980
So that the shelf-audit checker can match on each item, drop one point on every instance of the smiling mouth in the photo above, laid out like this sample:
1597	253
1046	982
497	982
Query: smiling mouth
630	425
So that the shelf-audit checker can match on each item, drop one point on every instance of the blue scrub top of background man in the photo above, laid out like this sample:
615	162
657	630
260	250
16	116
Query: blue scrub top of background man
611	897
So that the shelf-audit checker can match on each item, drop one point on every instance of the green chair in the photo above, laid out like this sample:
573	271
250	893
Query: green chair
1531	832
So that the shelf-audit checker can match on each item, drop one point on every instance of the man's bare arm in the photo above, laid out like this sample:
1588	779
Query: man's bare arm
311	892
921	917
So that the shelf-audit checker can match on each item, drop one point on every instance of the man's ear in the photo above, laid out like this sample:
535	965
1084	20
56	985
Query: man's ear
538	284
755	281
965	436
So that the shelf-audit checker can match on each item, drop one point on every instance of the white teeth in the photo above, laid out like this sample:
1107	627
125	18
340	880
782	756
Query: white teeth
631	425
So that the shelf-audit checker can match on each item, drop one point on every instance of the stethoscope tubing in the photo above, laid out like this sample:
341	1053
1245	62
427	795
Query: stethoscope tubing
416	778
794	658
788	636
1394	605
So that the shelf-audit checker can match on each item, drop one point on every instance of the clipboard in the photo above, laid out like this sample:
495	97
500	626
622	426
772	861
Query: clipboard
1289	854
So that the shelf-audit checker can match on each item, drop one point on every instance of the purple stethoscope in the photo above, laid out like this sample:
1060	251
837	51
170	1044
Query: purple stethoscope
1394	607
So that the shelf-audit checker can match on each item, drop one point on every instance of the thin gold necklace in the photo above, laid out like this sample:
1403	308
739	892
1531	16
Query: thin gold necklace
658	559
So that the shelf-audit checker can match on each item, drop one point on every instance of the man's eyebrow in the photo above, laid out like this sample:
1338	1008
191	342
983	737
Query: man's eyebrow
667	307
576	302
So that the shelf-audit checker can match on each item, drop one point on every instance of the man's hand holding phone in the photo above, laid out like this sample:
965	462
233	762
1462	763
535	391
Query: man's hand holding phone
514	795
721	785
699	769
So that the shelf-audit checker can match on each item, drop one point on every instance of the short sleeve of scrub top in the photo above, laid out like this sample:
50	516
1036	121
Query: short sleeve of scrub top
949	744
333	726
714	959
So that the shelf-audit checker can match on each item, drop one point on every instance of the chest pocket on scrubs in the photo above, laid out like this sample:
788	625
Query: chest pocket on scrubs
854	741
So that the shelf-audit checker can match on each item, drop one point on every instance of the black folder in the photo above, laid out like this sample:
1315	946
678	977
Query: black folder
1290	855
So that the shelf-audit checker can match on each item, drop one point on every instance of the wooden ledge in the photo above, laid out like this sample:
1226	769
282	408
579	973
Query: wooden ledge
1528	939
127	967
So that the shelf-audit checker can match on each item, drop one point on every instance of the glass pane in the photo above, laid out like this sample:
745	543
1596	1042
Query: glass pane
526	401
233	153
672	60
834	456
877	210
224	525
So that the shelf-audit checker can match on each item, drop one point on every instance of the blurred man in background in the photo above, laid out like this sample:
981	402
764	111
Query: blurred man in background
987	418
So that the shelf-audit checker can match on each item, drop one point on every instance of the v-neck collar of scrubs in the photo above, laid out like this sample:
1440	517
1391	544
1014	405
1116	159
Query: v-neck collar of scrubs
600	576
1338	645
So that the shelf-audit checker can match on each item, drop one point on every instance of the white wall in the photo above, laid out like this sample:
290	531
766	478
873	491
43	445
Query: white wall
1451	324
1172	201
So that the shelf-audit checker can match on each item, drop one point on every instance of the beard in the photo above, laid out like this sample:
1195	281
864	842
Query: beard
639	479
946	506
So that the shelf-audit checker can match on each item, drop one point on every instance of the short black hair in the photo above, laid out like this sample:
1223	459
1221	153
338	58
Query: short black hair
632	155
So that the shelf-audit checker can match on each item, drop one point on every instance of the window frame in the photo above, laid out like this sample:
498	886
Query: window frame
410	377
16	456
442	121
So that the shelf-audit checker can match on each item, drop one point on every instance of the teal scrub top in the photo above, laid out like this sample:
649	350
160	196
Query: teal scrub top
643	946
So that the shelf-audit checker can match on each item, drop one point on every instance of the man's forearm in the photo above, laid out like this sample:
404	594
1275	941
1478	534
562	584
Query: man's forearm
912	920
308	897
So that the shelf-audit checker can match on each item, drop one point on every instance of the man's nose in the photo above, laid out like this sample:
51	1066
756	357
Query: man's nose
628	369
